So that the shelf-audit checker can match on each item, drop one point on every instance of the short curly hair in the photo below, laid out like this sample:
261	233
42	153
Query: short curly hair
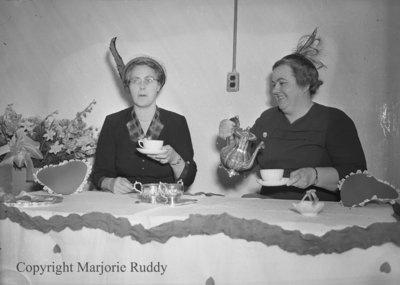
303	69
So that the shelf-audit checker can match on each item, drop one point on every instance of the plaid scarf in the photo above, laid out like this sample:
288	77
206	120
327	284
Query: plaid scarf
135	129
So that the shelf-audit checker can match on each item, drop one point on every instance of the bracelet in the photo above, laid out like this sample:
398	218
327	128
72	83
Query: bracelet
316	176
177	162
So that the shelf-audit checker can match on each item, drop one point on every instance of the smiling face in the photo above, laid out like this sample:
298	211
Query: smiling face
289	95
143	85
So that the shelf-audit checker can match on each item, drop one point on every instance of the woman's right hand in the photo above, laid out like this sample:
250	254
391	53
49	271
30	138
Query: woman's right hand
226	128
118	185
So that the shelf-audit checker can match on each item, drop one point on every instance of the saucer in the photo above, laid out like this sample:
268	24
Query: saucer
283	181
149	151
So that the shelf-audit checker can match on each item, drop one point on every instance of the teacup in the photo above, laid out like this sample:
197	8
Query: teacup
153	145
271	174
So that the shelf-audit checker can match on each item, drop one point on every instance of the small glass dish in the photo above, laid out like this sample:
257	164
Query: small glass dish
172	192
310	207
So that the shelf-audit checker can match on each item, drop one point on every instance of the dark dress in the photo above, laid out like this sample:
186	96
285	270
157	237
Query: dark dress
117	155
324	137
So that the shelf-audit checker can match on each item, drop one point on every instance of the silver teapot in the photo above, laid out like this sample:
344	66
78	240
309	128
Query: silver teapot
235	156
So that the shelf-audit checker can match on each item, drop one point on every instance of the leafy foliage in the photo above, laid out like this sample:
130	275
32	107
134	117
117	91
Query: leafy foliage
60	139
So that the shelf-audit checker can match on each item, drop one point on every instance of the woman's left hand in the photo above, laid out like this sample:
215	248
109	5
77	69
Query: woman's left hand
170	156
302	178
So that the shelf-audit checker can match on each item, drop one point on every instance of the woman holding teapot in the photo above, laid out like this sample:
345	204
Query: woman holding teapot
316	145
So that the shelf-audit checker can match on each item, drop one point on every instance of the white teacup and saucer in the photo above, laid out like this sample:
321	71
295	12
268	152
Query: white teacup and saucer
272	177
148	146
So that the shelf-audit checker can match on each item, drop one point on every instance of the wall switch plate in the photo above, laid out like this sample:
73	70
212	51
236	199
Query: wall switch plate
232	82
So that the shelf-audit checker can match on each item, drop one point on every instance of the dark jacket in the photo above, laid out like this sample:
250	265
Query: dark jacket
324	137
117	155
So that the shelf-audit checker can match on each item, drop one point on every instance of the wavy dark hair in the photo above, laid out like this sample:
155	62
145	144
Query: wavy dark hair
303	70
304	62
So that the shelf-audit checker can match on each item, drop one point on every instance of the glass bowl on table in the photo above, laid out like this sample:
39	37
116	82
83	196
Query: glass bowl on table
172	192
310	207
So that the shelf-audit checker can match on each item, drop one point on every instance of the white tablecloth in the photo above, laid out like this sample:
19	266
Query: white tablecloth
218	239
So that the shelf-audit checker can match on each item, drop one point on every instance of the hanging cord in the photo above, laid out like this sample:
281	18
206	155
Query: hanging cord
234	36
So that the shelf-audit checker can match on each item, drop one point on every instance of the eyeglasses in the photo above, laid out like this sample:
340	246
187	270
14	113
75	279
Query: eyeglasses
139	81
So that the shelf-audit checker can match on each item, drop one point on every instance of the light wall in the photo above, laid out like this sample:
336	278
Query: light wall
54	56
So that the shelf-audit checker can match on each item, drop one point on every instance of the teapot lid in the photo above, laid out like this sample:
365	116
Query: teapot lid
245	133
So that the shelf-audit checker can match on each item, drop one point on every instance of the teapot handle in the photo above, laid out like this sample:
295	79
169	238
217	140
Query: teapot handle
232	139
236	126
235	120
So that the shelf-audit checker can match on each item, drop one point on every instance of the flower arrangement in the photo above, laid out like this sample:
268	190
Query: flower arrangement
36	142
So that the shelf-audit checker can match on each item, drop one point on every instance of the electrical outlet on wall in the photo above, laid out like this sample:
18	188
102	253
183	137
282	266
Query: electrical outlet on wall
232	82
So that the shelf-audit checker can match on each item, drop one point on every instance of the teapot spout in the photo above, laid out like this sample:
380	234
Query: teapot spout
253	157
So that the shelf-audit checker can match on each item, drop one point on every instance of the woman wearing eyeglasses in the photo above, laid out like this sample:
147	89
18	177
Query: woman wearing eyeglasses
118	162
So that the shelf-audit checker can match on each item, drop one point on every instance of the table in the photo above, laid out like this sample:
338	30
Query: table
101	238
